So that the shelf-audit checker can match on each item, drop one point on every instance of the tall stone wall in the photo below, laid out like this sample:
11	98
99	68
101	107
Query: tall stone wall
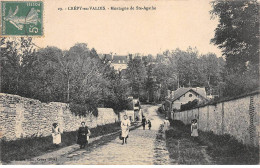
238	117
24	117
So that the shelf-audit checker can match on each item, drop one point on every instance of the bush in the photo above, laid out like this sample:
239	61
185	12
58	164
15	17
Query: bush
189	105
161	110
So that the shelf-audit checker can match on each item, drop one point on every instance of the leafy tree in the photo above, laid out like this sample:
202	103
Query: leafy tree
136	74
17	58
237	34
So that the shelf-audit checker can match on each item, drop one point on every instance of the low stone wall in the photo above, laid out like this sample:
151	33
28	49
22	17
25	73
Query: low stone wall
24	117
238	117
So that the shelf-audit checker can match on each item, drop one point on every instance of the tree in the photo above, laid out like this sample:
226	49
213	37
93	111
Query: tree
17	58
237	34
136	74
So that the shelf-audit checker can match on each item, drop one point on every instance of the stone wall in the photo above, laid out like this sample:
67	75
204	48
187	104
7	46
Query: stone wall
24	117
237	117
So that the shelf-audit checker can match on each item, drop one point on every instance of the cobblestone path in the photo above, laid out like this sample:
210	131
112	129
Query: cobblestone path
141	148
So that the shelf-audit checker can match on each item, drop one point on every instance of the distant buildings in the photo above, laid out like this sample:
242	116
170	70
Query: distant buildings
118	62
184	95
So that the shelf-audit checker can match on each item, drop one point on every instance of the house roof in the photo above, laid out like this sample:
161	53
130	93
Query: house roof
118	59
181	91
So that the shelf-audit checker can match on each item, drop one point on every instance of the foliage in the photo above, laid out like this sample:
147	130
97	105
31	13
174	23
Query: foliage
189	105
160	110
237	34
189	69
77	76
136	75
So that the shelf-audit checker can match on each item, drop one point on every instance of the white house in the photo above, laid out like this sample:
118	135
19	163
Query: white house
118	62
184	95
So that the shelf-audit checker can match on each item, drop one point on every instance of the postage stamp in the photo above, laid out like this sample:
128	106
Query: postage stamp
22	18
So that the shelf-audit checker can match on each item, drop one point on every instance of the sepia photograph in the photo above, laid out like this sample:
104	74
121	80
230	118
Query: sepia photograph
129	82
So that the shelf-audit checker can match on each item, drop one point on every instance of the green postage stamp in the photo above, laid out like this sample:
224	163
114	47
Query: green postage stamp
22	18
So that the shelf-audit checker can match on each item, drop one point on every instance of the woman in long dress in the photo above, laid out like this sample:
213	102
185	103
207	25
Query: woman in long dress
194	129
83	133
56	134
125	124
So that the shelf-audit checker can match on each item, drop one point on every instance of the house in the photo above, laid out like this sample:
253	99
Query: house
184	95
118	62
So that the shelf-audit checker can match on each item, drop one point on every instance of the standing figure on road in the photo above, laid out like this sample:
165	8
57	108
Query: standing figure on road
56	134
149	124
83	135
194	129
143	122
125	124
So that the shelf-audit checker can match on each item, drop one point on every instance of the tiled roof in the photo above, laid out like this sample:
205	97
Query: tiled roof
181	91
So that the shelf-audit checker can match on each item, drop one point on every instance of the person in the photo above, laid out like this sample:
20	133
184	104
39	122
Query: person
149	124
83	134
56	134
194	129
143	122
125	124
166	124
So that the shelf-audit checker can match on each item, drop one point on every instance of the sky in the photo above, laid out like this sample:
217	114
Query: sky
174	24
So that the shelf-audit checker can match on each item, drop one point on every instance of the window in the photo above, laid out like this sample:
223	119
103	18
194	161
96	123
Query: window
119	61
184	95
190	95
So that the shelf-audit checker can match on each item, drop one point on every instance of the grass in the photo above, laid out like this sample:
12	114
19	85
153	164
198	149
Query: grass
209	148
227	150
182	148
26	148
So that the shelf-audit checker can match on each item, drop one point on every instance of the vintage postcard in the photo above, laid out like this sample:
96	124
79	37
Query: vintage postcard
138	82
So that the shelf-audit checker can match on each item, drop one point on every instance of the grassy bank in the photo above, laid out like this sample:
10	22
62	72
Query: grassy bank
209	148
227	150
183	149
27	148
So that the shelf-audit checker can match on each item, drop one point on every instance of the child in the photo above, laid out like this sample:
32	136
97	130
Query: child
149	124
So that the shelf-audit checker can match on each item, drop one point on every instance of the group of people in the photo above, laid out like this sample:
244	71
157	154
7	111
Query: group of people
82	135
144	122
84	132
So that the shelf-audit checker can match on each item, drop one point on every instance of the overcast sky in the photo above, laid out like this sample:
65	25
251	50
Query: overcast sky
175	23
